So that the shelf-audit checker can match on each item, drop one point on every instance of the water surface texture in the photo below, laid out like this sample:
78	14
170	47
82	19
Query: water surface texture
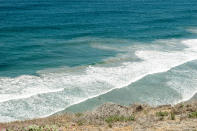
57	53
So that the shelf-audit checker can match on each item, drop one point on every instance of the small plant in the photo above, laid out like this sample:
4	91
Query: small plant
79	114
145	112
182	105
172	116
112	119
131	118
116	118
79	122
193	115
110	125
162	114
39	128
33	128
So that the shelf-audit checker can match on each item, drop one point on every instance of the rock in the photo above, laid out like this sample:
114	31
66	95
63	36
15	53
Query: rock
138	107
110	109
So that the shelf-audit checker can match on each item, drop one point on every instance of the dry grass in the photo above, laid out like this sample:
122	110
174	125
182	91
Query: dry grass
145	118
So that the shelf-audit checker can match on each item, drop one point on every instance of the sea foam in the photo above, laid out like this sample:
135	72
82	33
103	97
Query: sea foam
68	88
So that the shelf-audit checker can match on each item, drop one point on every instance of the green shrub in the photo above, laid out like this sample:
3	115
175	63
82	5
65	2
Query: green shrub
112	119
116	118
80	122
193	115
39	128
79	114
33	128
172	115
110	125
162	113
182	105
131	118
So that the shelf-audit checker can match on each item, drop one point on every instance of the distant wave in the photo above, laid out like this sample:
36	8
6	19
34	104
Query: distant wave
192	30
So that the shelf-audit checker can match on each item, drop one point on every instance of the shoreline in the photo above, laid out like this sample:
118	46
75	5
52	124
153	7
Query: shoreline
63	111
85	105
111	116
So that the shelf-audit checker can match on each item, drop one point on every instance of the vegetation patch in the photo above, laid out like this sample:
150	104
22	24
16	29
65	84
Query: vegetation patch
41	128
116	118
193	114
172	116
78	114
80	122
162	114
182	105
165	113
110	125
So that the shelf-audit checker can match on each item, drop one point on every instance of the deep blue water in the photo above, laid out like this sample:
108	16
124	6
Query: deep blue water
36	34
71	50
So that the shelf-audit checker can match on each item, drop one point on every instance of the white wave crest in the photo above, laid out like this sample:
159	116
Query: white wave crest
96	80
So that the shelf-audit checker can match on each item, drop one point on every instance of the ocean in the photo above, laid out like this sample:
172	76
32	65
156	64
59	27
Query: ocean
78	54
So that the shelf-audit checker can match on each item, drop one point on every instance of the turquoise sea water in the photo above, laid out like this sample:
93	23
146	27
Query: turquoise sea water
59	53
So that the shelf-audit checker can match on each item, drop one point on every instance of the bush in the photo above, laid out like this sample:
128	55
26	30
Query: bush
182	105
116	118
39	128
78	114
33	128
110	125
131	118
193	115
80	122
172	115
162	113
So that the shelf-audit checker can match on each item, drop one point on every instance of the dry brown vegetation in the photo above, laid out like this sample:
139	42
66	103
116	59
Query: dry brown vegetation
113	117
